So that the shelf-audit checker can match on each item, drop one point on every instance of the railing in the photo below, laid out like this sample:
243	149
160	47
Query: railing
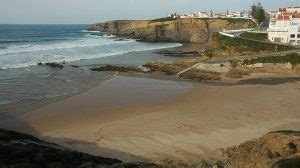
226	34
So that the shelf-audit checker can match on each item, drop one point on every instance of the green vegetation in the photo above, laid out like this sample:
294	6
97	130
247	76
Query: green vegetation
234	21
162	19
294	59
170	70
258	12
255	36
250	45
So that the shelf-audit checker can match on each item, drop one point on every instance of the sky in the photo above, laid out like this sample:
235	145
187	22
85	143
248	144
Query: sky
91	11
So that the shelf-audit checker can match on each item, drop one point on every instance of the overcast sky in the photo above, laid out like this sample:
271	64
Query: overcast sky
90	11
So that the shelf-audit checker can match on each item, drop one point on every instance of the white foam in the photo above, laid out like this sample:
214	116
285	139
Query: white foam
5	102
109	36
87	47
90	31
84	42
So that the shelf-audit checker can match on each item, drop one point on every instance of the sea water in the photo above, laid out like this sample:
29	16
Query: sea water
24	84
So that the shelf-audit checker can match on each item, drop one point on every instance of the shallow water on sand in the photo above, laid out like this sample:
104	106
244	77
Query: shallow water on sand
24	86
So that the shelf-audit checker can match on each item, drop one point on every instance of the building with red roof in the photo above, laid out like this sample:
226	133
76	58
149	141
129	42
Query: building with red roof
284	26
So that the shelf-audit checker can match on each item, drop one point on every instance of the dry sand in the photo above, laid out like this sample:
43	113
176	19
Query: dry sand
138	120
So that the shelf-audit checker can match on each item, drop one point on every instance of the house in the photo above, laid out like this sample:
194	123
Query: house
220	15
210	14
245	15
294	33
234	15
174	15
284	26
279	30
203	15
293	9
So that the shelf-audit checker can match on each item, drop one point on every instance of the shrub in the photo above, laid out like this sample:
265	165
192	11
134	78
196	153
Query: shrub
255	36
251	45
170	70
162	19
293	58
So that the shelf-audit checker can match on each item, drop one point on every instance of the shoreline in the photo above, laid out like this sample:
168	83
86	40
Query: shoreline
82	64
156	124
145	118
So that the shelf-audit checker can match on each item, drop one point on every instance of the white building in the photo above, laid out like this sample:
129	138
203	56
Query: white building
293	9
246	15
279	30
234	14
294	32
203	14
284	26
210	14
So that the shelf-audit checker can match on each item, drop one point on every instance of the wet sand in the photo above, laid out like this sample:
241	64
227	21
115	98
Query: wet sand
137	119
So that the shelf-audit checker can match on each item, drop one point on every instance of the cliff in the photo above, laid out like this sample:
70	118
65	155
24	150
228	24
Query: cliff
190	30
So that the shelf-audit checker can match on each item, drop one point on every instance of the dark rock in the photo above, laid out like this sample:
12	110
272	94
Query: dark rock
179	53
54	65
116	68
272	155
293	162
22	150
121	39
39	64
75	66
137	165
291	147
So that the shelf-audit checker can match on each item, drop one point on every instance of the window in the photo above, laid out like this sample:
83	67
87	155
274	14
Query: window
293	35
298	36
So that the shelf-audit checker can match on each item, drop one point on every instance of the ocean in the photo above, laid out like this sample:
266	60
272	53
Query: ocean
25	86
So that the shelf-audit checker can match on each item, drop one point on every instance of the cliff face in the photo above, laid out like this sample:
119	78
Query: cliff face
170	30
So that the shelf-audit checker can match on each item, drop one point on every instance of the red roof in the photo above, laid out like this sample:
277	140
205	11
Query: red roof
286	16
283	17
292	15
296	15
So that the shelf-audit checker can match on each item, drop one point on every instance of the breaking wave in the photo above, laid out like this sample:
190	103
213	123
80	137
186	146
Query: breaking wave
86	47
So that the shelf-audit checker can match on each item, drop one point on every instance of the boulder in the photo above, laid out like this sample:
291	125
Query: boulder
54	65
116	69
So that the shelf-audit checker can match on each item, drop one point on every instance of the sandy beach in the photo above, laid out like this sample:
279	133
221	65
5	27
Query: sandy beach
138	119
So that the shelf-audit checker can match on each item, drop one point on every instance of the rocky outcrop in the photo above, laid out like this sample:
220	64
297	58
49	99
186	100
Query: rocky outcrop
189	30
21	150
172	53
115	68
276	149
200	75
52	65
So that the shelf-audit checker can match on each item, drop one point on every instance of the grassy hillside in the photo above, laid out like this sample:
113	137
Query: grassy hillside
243	44
255	36
294	59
